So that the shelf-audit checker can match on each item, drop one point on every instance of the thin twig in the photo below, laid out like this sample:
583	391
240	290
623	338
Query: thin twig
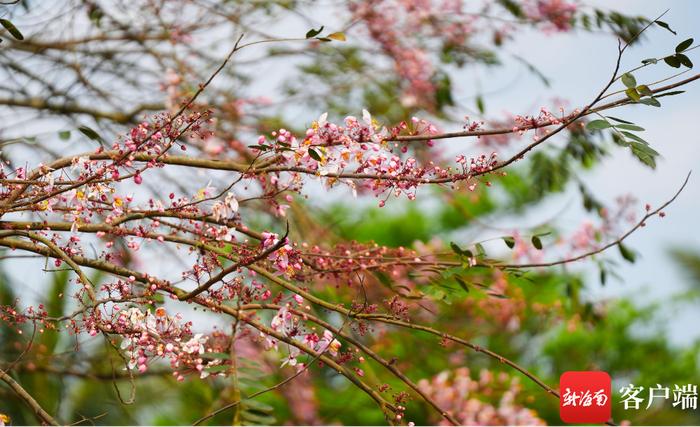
41	414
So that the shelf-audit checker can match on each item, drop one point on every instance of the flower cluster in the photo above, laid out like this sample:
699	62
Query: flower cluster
557	14
411	63
12	315
543	119
513	127
470	399
286	258
358	154
226	208
401	28
589	236
147	336
290	326
354	256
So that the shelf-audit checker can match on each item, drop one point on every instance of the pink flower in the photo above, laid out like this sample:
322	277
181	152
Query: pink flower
226	208
329	343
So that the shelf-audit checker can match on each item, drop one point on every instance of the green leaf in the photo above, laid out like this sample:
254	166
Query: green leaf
64	135
630	127
635	137
662	24
96	15
456	249
10	27
645	148
627	253
260	147
513	7
629	80
439	295
443	91
620	120
650	101
215	355
673	61
217	368
684	60
650	61
537	243
497	295
598	124
620	141
480	104
314	155
685	44
644	90
586	22
313	33
672	93
643	156
324	39
462	283
90	133
258	406
509	241
253	418
632	94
